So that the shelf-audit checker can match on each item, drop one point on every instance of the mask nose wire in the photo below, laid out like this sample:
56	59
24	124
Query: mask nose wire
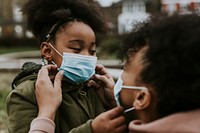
55	50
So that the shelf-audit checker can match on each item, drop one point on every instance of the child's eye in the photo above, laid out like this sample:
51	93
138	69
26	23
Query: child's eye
77	50
92	52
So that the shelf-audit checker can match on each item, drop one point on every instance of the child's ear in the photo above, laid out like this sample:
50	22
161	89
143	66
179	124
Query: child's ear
142	100
46	51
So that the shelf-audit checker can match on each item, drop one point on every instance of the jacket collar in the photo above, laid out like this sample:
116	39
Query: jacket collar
68	86
28	71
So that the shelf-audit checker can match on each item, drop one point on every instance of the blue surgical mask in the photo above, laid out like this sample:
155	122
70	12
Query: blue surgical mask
118	87
78	68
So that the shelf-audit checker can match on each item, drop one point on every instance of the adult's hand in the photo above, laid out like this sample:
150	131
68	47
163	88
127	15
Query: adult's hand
48	91
111	121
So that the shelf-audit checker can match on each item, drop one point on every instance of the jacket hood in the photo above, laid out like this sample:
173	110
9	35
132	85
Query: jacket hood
183	122
28	71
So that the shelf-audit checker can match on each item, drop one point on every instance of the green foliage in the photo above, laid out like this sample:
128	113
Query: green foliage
4	50
109	47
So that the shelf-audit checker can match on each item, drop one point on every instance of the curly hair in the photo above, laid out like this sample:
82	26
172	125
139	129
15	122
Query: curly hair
172	60
42	15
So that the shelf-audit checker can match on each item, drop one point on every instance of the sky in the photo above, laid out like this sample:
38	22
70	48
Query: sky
106	3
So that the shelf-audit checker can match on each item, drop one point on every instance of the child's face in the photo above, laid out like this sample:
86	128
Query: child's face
75	37
130	76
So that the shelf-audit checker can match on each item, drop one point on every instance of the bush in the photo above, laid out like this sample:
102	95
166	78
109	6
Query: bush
109	47
10	42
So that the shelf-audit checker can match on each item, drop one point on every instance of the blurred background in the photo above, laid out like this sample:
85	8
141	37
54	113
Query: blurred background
17	44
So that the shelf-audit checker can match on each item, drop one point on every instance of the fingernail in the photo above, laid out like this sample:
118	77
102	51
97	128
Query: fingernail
97	75
61	72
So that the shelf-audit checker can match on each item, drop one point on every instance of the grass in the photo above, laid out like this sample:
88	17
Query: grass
5	87
5	83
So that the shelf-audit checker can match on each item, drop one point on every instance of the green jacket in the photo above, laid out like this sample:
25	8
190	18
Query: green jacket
79	105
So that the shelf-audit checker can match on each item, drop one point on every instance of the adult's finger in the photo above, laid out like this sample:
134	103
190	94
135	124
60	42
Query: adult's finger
118	121
136	125
44	71
113	113
121	129
58	79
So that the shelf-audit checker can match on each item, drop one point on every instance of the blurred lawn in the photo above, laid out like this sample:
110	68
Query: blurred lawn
5	87
5	84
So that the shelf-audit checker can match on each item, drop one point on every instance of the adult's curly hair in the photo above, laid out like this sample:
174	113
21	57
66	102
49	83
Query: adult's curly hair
172	60
43	14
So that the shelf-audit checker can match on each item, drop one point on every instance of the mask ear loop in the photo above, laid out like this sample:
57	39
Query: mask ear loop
128	110
56	52
53	63
55	49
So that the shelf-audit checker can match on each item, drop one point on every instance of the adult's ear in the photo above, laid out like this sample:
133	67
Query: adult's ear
142	100
46	51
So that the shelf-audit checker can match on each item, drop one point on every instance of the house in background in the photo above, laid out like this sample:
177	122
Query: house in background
110	15
180	6
12	22
120	16
133	11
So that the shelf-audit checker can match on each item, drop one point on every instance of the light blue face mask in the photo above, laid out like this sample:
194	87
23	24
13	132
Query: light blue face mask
78	68
118	87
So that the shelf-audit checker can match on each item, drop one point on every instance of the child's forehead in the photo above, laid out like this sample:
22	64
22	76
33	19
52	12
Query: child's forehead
135	60
79	30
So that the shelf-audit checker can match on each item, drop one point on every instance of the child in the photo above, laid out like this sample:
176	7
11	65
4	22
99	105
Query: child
67	31
161	77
